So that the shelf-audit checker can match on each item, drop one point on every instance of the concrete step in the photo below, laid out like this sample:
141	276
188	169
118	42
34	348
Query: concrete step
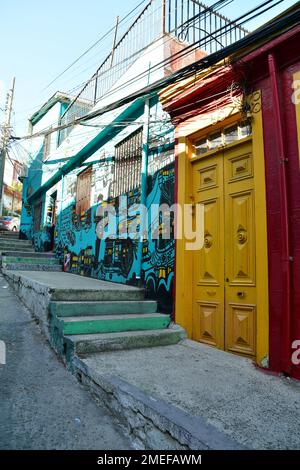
88	344
15	241
13	247
28	254
61	286
112	307
99	295
31	267
29	260
110	323
8	234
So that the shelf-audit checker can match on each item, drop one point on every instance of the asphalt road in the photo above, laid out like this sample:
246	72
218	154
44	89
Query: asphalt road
42	406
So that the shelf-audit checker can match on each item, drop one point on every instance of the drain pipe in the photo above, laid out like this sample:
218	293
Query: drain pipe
285	236
143	201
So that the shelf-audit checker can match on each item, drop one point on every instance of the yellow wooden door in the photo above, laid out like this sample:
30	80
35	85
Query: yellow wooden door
224	287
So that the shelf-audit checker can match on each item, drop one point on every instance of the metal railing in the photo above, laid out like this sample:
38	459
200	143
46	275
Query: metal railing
190	21
193	22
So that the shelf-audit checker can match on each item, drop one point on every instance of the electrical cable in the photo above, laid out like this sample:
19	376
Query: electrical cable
186	71
192	47
209	9
177	55
91	47
96	75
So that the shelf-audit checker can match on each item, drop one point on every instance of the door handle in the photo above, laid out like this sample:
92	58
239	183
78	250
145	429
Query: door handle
241	294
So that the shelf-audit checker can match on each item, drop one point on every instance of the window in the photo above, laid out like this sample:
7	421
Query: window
37	216
225	136
83	191
215	140
231	134
201	146
128	160
245	129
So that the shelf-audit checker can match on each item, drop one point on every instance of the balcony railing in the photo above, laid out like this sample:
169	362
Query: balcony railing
190	21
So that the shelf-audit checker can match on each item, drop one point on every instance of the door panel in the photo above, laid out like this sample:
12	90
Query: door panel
208	322
240	328
208	272
240	248
240	258
224	289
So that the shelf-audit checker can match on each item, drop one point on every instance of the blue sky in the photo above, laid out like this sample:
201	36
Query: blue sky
40	39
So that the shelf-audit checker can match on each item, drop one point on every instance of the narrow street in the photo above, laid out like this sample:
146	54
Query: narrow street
149	232
42	406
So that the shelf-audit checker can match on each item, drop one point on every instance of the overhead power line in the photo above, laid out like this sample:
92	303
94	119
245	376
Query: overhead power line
194	46
215	7
97	74
189	70
92	46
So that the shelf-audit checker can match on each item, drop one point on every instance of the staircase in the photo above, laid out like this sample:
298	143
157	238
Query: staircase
19	255
83	315
121	320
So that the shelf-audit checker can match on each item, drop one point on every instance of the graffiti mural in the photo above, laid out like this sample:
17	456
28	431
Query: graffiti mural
53	222
116	259
42	239
158	254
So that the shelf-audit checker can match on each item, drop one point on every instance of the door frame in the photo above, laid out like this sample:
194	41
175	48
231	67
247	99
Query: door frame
186	133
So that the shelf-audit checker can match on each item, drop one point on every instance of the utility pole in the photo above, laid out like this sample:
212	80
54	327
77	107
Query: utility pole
6	132
114	42
163	16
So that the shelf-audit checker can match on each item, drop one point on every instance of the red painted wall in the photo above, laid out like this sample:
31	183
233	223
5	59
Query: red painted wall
287	55
254	68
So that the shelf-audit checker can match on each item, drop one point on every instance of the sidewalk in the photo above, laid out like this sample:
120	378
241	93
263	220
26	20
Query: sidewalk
181	396
256	410
42	406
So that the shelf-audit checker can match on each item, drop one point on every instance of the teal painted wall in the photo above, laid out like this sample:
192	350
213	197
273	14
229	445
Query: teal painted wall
76	241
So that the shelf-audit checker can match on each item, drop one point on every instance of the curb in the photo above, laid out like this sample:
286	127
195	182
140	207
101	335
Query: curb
151	422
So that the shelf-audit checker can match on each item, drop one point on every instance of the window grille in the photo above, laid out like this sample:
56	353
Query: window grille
128	160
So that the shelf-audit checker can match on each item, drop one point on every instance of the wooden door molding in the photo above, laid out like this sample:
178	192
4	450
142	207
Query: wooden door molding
241	168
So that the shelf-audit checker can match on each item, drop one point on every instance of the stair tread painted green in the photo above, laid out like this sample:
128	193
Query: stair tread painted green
9	241
121	334
37	260
94	302
27	254
126	316
111	323
16	248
